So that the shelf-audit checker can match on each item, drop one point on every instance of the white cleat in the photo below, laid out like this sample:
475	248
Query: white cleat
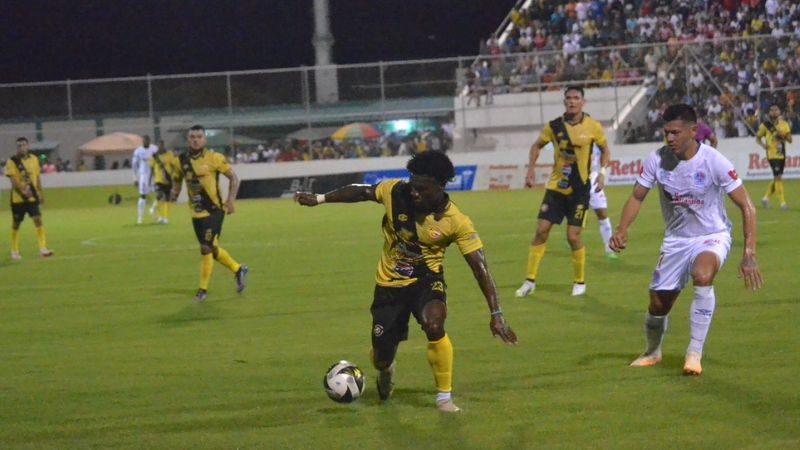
15	256
647	360
692	366
578	289
526	289
447	406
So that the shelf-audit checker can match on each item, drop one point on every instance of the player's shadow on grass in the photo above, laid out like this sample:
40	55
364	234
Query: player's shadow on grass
191	313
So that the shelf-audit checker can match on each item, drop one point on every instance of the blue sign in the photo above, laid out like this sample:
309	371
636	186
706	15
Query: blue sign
465	176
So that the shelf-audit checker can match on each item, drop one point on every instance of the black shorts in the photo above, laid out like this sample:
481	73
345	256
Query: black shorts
777	166
18	210
163	192
392	307
208	229
556	206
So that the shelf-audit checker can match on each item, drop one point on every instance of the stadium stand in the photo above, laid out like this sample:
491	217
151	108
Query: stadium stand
729	59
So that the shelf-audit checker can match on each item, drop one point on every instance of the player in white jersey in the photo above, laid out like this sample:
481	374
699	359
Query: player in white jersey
692	179
142	174
599	204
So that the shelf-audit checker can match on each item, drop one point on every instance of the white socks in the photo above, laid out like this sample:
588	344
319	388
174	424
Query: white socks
442	397
605	232
654	329
140	208
700	314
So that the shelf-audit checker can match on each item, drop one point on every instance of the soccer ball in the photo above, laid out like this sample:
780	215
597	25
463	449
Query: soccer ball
344	382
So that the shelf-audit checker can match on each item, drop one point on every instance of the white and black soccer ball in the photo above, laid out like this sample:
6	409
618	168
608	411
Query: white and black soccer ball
344	382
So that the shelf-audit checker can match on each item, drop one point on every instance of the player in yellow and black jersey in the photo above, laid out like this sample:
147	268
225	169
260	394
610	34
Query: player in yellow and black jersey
200	167
164	166
568	188
777	133
27	195
419	223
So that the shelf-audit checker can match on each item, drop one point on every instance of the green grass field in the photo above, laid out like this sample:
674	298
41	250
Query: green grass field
103	347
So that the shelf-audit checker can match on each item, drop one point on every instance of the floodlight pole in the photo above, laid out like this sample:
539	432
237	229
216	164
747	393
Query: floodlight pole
69	99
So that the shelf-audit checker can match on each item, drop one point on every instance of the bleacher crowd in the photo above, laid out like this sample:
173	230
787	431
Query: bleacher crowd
728	58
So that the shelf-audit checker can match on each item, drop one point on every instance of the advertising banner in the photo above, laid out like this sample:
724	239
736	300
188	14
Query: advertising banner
463	181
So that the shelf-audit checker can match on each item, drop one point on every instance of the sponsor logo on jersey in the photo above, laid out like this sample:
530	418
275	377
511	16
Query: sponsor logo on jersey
732	173
700	178
435	234
377	330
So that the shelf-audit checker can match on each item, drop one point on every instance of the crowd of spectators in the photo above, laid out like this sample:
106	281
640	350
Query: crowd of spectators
728	58
392	144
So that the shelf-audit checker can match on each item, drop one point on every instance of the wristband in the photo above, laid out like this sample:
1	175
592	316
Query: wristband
320	199
499	312
603	171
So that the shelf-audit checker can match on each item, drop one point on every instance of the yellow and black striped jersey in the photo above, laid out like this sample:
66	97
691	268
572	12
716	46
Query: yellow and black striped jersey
30	176
572	163
776	147
413	246
202	180
164	167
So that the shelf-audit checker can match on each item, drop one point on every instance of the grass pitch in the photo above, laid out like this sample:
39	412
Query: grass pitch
103	347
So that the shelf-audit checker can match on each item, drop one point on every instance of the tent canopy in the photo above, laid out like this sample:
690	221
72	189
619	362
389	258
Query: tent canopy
112	144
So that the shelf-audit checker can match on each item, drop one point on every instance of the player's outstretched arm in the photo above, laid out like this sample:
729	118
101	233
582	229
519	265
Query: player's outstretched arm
748	267
619	240
351	193
480	270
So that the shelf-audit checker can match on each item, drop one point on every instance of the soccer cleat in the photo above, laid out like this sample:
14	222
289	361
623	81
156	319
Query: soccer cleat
526	289
692	366
612	256
15	256
784	206
765	203
240	278
139	221
447	406
201	295
646	360
384	382
44	253
578	289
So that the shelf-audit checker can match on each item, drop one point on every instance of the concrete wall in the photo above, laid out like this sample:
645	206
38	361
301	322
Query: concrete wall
9	134
511	120
70	135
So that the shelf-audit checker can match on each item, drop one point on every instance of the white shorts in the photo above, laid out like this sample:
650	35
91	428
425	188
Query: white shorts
144	184
597	200
674	267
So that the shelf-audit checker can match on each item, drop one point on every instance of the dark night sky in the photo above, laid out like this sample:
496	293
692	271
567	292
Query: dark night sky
58	39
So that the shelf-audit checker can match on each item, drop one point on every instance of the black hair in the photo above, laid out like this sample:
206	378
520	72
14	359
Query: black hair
680	111
775	104
196	128
22	139
433	164
574	87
